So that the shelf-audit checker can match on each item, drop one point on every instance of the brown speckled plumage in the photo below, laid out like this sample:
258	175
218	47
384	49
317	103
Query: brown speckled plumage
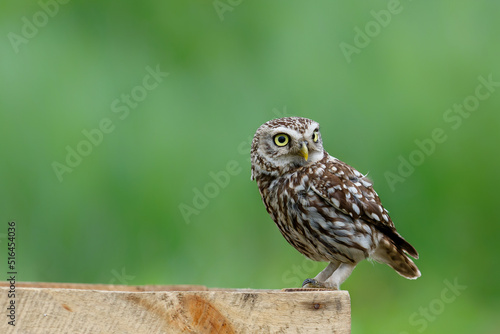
323	207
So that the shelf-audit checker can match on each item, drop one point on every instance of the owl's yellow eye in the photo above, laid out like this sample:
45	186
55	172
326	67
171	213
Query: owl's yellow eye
281	139
315	136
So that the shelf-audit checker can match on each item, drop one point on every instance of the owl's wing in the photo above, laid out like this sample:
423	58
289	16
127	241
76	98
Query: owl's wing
352	193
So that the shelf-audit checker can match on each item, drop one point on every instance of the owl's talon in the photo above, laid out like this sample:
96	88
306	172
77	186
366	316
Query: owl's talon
311	283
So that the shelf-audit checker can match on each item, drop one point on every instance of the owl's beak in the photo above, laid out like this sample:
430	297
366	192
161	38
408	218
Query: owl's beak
304	151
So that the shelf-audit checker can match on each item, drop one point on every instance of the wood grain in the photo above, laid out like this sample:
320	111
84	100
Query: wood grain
78	308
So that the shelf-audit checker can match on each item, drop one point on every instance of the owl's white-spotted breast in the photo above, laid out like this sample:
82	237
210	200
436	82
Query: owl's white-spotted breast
323	207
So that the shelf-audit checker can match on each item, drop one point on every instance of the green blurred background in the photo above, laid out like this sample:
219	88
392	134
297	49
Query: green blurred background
117	217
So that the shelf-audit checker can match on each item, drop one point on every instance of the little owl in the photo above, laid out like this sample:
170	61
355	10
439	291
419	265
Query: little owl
323	207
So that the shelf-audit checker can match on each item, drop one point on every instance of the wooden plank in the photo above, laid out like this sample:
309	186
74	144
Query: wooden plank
75	308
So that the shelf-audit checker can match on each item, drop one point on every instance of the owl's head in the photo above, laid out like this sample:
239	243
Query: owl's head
284	144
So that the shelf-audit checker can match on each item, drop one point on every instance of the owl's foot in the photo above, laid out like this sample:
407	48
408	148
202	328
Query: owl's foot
311	283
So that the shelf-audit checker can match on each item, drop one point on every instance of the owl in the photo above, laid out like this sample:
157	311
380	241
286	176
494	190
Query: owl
323	207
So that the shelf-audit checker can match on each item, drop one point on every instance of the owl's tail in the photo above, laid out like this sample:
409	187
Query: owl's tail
387	252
